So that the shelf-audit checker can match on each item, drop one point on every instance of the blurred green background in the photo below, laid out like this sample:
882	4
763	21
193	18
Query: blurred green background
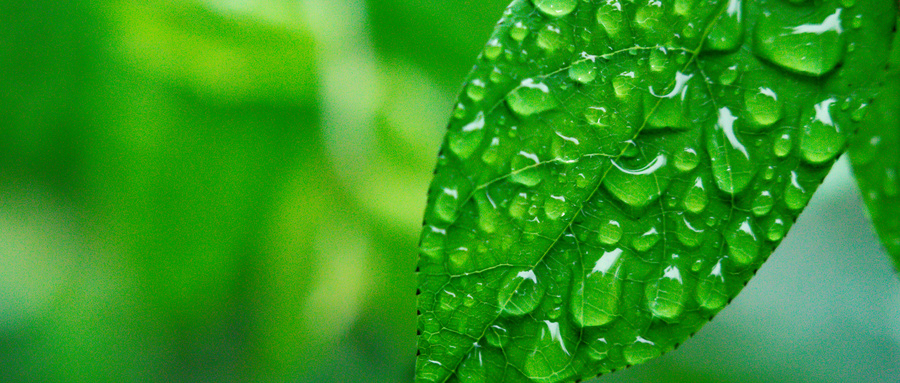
231	191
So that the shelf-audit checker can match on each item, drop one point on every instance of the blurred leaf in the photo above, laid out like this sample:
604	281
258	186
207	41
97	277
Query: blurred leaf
615	174
876	164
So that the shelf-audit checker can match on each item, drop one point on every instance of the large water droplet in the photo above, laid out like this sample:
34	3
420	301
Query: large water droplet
640	351
550	38
668	110
711	290
689	234
518	31
762	204
584	70
665	296
763	106
611	18
472	369
531	98
595	294
647	240
811	48
553	342
556	8
638	187
822	138
743	247
610	232
795	194
686	160
464	141
526	169
520	293
447	204
475	90
433	243
696	199
488	215
731	162
728	32
556	207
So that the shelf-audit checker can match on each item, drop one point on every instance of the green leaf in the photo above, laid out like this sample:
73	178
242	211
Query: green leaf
614	173
874	155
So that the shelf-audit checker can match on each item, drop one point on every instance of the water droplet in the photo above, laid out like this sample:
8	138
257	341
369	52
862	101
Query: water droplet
813	48
695	200
795	195
526	169
492	153
493	49
518	31
595	294
472	369
638	187
743	246
598	348
519	206
531	98
684	7
688	234
497	336
610	232
550	38
669	110
889	185
859	113
857	22
731	162
640	351
488	217
611	18
687	160
665	296
552	342
645	241
520	293
459	111
465	141
783	145
556	8
711	290
433	242
475	90
763	203
556	207
447	204
624	84
763	105
822	138
584	70
776	230
728	33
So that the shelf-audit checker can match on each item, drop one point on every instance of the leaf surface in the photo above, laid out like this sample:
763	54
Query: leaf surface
615	172
875	156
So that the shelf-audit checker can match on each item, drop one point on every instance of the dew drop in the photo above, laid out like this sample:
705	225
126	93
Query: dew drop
763	106
520	293
638	187
812	48
666	295
776	230
711	290
596	292
668	110
497	336
795	195
518	31
550	38
475	90
598	348
555	207
646	241
433	242
583	71
640	351
728	32
447	204
531	98
610	232
696	199
610	17
783	145
488	217
493	49
526	169
762	204
688	234
822	138
556	8
687	160
731	164
465	141
743	246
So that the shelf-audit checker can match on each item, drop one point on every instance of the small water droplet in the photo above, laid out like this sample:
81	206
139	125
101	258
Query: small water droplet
526	169
640	351
583	71
731	163
688	234
465	140
686	160
518	31
728	31
695	200
795	195
776	230
493	49
783	145
638	187
555	207
550	38
447	204
475	90
595	294
763	105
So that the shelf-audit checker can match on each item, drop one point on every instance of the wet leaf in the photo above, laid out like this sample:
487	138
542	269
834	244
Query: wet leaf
874	155
615	172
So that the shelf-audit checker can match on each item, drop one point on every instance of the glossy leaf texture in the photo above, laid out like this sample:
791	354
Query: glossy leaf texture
875	156
616	171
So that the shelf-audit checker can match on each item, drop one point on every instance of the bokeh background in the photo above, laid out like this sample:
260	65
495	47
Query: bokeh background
231	191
